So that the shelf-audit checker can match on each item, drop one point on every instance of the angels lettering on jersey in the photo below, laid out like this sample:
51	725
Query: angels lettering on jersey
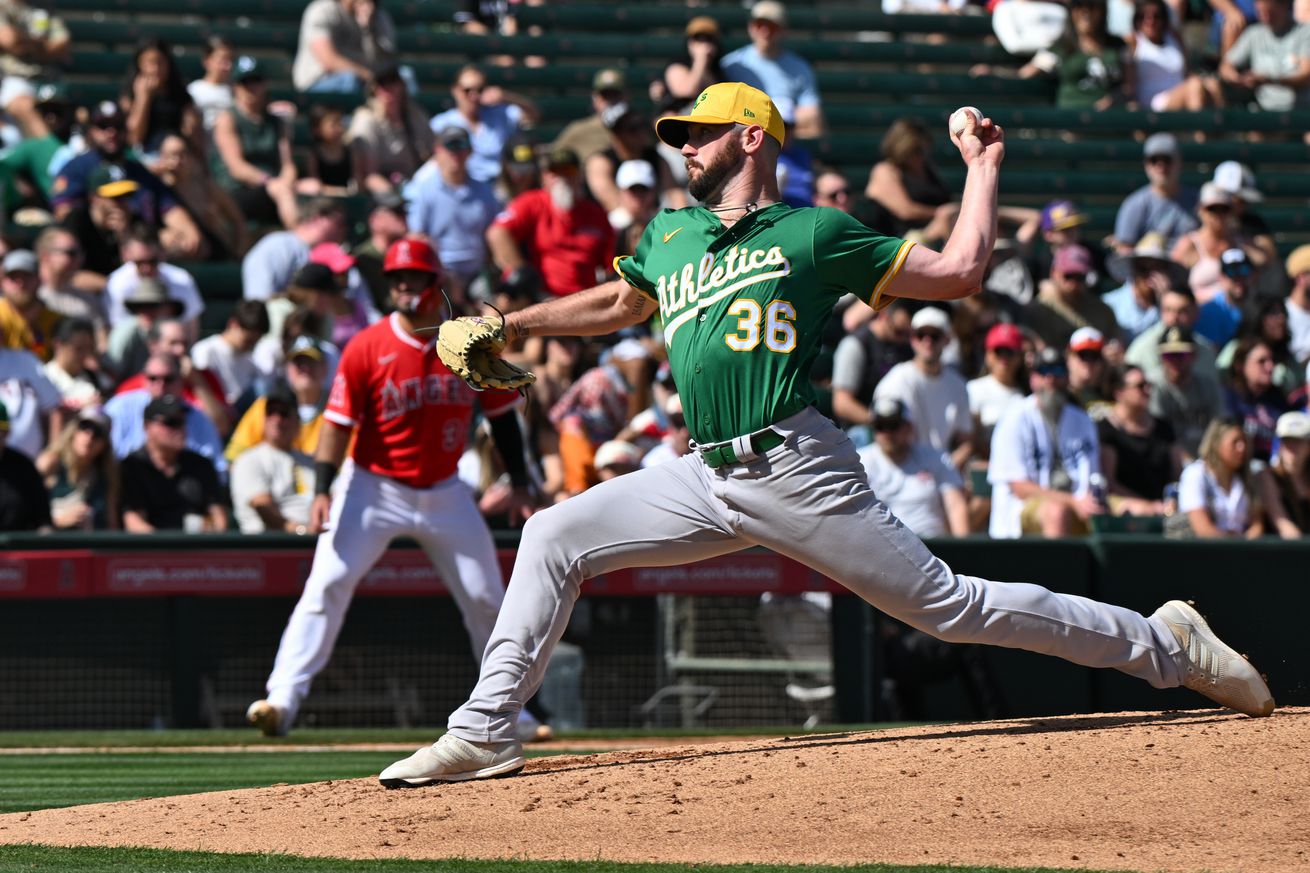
435	389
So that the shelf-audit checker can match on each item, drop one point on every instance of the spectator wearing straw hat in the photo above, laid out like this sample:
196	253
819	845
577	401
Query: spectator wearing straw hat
1146	273
1298	301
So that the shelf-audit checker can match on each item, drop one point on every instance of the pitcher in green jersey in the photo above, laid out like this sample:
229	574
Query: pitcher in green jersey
744	285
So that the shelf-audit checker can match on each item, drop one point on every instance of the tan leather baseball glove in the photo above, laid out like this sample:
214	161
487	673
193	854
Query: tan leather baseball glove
471	348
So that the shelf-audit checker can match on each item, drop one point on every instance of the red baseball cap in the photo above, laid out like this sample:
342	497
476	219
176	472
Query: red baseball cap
1004	336
331	256
411	254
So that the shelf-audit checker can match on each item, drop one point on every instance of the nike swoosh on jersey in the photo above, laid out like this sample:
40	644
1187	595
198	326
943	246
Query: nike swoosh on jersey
671	234
386	359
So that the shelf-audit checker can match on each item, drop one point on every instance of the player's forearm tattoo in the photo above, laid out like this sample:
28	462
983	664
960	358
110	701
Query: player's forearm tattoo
639	305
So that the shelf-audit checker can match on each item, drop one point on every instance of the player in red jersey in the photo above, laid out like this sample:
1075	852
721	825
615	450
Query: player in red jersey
410	417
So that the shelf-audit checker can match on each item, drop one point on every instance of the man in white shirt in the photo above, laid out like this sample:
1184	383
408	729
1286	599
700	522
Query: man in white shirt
934	395
227	354
1044	454
32	401
1298	302
143	259
273	482
917	483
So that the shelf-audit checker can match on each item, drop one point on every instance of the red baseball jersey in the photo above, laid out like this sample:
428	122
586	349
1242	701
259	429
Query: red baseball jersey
411	413
571	250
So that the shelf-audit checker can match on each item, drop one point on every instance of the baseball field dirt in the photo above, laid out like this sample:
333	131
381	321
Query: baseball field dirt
1175	791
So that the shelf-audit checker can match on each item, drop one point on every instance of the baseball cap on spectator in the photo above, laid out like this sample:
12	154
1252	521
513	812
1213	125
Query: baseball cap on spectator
1004	336
107	113
770	10
1158	144
703	25
110	181
19	261
1298	261
1050	363
151	292
616	453
331	256
1238	180
889	413
1176	339
1072	258
247	68
633	173
521	155
1086	339
306	346
1293	425
1235	263
390	200
1062	215
562	160
96	416
930	318
455	138
167	408
315	277
609	79
1214	195
281	398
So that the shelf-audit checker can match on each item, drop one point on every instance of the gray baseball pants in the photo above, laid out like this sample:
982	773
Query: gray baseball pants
808	499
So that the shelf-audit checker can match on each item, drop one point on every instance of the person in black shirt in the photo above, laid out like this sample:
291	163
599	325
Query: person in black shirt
24	501
863	357
165	485
1139	454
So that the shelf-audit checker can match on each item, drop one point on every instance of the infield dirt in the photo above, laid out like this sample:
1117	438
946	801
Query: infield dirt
1176	791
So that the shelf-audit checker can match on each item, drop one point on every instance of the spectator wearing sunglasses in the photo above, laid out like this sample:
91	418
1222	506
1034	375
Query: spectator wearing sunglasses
1139	456
1218	319
1065	302
1003	383
1089	377
166	486
81	472
163	377
934	395
700	65
1199	251
1163	205
490	114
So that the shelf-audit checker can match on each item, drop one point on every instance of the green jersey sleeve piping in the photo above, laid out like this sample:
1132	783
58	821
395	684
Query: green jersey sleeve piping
618	268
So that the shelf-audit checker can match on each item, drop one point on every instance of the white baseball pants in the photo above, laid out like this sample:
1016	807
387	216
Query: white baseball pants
368	512
808	499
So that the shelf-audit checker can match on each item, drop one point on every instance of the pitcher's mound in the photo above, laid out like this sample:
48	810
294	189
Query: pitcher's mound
1177	791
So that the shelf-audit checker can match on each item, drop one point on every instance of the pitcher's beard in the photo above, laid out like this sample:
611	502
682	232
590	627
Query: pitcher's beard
712	177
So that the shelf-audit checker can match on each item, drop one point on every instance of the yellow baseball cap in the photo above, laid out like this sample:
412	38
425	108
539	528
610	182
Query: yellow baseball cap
724	103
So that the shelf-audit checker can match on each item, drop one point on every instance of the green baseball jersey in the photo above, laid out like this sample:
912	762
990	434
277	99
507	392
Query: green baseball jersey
744	307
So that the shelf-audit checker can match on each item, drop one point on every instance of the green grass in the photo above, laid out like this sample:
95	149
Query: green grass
97	860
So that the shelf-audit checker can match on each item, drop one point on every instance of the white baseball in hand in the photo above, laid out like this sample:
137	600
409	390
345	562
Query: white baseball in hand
959	119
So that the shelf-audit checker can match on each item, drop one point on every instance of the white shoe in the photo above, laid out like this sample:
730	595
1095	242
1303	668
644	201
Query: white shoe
451	759
1214	669
271	720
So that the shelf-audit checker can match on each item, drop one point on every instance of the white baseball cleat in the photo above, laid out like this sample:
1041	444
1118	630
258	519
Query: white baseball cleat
1214	669
269	718
451	759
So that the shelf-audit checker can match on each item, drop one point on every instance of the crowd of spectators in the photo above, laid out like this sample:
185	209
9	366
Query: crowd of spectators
1159	373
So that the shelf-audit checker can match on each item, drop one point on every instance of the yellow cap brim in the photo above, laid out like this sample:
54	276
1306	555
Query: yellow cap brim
117	189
